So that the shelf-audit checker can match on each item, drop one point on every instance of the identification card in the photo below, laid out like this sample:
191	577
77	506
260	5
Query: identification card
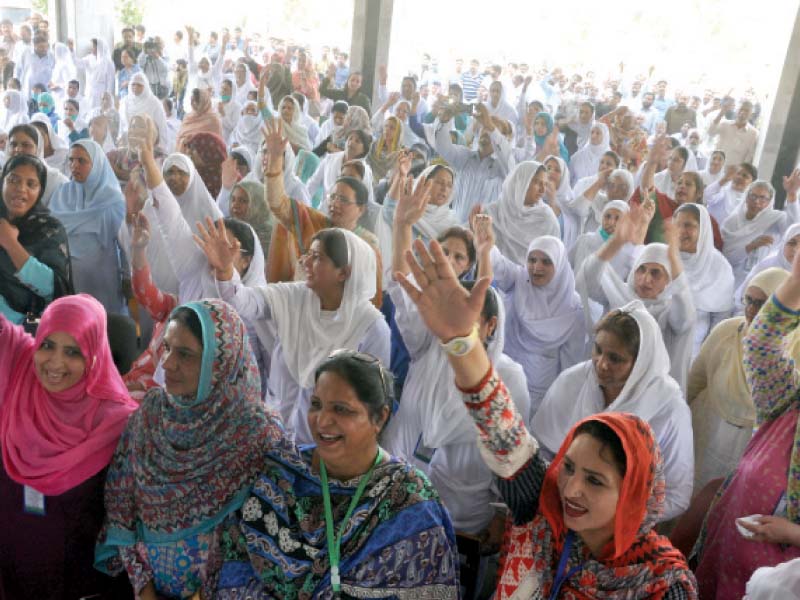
34	501
422	452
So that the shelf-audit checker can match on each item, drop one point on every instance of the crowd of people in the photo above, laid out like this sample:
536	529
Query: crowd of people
266	334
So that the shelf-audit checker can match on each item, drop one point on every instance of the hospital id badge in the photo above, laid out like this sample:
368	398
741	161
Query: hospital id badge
34	501
422	452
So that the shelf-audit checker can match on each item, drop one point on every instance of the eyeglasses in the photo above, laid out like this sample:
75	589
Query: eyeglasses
367	359
334	197
759	199
750	301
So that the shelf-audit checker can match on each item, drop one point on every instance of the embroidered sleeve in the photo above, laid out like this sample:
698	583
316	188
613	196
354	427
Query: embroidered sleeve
38	277
770	371
505	443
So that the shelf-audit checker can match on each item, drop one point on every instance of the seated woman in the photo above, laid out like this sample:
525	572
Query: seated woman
291	116
125	159
520	215
63	410
357	145
187	457
583	526
73	128
202	119
53	149
656	279
723	414
710	275
765	483
384	151
91	208
715	168
24	139
590	242
586	161
363	524
545	331
558	196
591	194
724	195
751	232
207	151
247	131
629	367
306	320
297	223
34	253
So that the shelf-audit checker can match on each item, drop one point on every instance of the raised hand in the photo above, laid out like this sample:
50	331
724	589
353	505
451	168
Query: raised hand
135	193
140	234
791	184
448	310
274	139
393	97
483	231
219	250
411	205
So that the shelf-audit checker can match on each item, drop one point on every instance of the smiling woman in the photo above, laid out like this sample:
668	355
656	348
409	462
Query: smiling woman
34	255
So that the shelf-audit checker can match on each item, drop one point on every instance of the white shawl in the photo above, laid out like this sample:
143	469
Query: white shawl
295	131
586	161
518	225
308	334
738	231
144	104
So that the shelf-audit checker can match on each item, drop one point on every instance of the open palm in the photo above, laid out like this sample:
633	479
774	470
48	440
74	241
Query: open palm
213	241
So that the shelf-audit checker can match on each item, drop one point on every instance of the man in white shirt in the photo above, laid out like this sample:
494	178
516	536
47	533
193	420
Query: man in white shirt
737	138
36	65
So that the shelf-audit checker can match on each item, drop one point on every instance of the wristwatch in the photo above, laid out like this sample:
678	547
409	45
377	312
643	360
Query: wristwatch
460	346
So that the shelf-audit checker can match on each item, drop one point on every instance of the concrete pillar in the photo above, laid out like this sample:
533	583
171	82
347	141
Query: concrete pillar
369	48
777	151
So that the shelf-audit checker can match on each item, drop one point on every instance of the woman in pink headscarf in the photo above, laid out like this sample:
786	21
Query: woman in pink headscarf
63	407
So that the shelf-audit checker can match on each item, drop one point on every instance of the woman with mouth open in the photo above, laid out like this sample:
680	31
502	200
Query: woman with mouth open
582	527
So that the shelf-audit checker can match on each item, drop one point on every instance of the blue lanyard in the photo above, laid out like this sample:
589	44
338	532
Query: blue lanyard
562	577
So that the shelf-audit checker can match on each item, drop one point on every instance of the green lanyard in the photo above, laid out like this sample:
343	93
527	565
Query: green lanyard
334	544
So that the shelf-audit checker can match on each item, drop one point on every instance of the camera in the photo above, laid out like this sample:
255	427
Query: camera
150	45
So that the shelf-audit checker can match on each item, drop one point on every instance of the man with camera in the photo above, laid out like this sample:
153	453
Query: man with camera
155	68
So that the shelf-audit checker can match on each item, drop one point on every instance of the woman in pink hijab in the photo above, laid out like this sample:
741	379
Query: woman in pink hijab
63	407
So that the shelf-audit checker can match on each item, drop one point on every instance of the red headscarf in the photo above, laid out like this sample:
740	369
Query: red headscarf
207	151
55	441
636	563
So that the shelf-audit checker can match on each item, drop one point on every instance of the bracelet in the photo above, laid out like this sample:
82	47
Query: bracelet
275	174
461	346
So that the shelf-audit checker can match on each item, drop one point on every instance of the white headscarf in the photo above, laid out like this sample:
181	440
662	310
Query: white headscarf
144	104
307	334
503	110
709	273
248	131
240	92
737	231
295	131
64	70
586	161
441	410
775	259
196	202
546	316
516	224
649	392
60	148
407	136
17	111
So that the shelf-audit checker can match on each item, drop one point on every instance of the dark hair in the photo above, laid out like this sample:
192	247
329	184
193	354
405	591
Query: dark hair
690	208
465	236
40	38
139	27
28	130
188	318
74	82
334	244
358	166
491	308
41	128
699	184
721	153
243	233
370	380
613	156
624	327
26	160
683	152
237	155
411	79
124	29
362	195
340	106
589	104
750	169
228	81
74	104
608	439
366	140
536	103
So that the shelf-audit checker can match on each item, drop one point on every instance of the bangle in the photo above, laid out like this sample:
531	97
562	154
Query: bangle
461	346
274	174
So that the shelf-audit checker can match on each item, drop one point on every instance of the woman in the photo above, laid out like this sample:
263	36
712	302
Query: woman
91	208
558	195
305	165
656	278
605	544
750	233
715	168
124	75
393	536
24	139
765	483
47	106
308	320
355	119
64	408
140	101
72	127
384	151
544	330
207	151
723	414
543	130
629	367
16	113
249	205
352	92
586	161
247	132
591	194
590	242
291	115
51	148
63	72
125	159
666	180
356	146
710	275
520	216
187	457
202	119
34	253
726	194
781	258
